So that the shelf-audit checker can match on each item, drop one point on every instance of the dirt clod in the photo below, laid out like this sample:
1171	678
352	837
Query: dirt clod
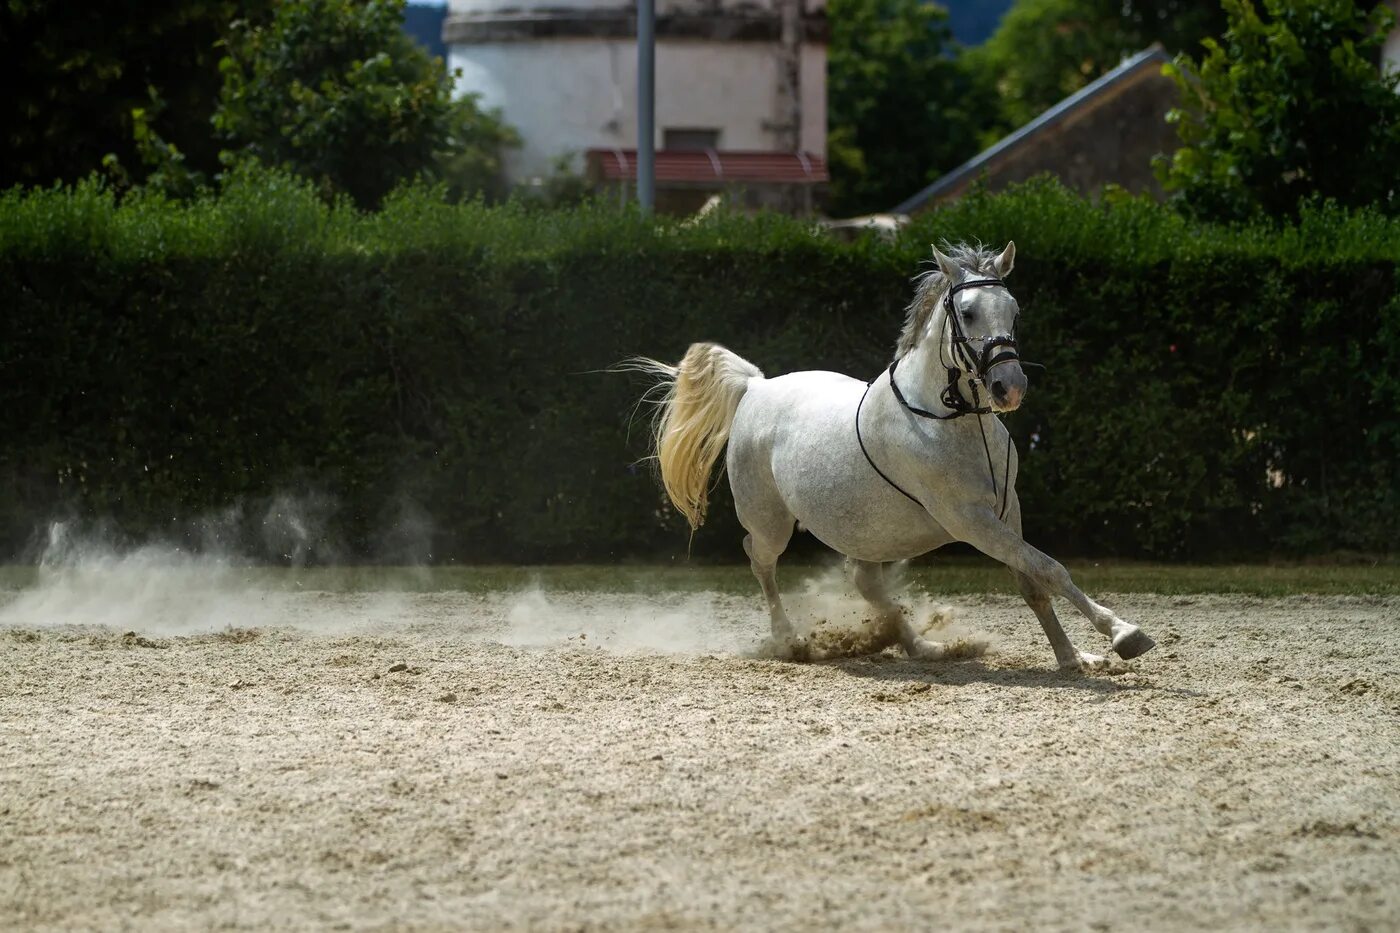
238	636
1325	828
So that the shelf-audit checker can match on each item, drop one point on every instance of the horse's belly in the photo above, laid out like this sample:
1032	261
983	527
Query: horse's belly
872	539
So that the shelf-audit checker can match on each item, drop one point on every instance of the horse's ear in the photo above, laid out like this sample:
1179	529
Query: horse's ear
949	268
1006	260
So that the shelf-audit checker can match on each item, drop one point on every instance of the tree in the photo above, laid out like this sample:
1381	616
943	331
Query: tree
74	73
1285	108
1045	50
335	91
902	107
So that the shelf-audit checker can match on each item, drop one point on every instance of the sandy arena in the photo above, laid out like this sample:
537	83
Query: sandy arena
216	756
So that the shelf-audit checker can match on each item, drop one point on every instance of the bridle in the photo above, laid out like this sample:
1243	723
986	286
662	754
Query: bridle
975	365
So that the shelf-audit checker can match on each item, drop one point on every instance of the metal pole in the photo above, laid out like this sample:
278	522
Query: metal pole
790	81
646	104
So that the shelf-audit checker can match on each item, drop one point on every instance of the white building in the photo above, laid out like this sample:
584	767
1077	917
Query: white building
744	83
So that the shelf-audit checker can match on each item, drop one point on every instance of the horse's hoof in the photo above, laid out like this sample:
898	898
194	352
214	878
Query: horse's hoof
1133	644
1090	665
924	650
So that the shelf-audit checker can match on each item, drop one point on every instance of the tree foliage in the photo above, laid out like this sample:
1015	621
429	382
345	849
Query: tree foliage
1045	50
335	91
76	75
903	109
1287	107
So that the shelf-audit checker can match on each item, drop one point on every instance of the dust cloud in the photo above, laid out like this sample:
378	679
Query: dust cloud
827	609
214	579
90	578
84	580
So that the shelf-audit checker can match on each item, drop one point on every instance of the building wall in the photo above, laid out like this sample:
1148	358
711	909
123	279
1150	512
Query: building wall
568	95
663	7
564	73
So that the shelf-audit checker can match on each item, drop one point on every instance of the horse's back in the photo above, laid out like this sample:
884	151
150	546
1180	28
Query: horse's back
794	407
814	389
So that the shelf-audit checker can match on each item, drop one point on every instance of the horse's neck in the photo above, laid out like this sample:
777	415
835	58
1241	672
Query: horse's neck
923	371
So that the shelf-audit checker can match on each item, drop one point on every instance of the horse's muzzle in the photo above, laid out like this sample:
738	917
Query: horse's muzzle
1007	382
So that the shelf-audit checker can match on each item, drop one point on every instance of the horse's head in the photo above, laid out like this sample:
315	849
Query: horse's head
981	325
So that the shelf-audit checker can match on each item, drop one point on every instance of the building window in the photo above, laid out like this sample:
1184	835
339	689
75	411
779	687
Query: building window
689	139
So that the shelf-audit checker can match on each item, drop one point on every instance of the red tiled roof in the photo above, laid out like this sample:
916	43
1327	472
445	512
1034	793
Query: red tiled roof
713	166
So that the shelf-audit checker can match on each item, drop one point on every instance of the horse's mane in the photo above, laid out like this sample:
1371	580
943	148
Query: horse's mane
931	286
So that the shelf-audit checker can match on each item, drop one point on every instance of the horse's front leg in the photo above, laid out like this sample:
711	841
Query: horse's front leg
979	527
1067	655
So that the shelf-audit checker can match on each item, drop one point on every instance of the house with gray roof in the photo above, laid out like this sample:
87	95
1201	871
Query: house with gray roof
1106	133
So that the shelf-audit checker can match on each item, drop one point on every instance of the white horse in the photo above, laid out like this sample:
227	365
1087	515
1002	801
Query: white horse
879	472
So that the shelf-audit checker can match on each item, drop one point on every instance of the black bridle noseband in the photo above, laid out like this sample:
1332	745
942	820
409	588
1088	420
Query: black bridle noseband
966	362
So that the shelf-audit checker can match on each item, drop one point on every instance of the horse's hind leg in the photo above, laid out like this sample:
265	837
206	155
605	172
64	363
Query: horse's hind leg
769	524
893	621
764	545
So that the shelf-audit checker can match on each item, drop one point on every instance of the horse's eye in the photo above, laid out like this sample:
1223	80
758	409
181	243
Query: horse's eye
968	316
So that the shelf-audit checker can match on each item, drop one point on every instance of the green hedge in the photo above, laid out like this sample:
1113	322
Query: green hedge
1209	392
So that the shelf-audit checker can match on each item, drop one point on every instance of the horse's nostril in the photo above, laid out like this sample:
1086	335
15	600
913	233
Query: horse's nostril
998	389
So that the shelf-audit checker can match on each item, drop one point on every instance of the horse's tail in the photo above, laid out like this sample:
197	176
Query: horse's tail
694	413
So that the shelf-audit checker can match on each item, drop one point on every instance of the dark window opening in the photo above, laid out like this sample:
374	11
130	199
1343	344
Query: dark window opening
689	140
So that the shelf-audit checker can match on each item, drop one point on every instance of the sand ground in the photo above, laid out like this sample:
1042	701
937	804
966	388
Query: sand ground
607	761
